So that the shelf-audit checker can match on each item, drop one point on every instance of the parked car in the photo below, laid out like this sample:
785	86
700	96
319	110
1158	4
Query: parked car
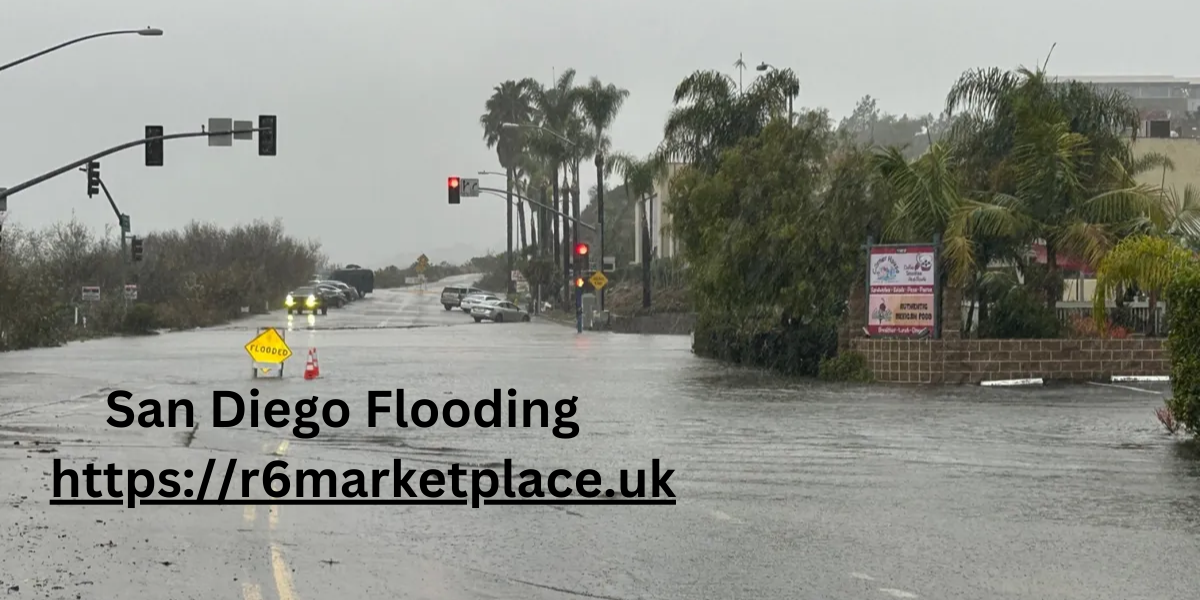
474	300
452	296
347	291
499	311
307	298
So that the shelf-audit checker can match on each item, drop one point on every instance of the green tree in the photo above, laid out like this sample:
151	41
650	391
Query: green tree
1150	263
712	115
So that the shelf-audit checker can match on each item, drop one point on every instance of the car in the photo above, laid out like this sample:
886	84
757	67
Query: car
452	295
499	311
308	298
470	302
338	296
347	290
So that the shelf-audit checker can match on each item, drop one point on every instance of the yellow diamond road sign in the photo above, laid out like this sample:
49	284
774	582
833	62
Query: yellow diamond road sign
268	347
598	280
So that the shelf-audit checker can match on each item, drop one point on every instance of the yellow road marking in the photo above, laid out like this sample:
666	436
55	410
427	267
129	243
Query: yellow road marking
249	513
251	591
283	575
282	449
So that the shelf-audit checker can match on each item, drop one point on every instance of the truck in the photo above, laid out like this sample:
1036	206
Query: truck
362	280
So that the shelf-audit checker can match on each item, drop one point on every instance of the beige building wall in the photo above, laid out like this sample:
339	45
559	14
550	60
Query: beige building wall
663	244
1184	152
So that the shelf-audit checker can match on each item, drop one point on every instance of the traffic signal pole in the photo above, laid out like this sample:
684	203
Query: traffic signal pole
113	150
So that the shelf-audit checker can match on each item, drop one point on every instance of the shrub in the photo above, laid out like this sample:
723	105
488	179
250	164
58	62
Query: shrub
1085	327
197	276
847	366
1021	313
1183	295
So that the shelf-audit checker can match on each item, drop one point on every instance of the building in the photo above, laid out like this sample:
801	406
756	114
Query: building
662	243
1159	97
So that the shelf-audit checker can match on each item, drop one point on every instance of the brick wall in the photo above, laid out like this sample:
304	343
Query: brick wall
972	361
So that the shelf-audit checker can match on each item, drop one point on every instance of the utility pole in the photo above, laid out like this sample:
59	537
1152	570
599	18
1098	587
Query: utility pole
600	215
509	287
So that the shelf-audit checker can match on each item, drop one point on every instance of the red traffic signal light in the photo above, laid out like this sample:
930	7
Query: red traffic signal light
453	192
581	249
578	282
453	182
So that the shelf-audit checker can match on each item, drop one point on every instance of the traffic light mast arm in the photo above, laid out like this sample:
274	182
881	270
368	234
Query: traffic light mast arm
111	202
115	149
540	205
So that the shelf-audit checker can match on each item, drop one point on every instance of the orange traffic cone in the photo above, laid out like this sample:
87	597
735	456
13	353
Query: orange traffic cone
311	369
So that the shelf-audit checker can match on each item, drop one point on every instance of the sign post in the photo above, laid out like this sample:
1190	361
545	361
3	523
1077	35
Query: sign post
268	350
902	291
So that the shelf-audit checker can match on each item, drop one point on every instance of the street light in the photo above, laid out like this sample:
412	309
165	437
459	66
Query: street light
493	173
147	32
763	67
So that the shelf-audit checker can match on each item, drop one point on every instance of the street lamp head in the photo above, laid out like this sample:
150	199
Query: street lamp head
150	31
762	67
509	126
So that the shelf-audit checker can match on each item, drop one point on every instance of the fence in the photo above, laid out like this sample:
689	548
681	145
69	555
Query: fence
1135	316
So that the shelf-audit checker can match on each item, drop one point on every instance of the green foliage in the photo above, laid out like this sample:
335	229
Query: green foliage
1183	295
198	276
765	233
1021	313
140	319
847	366
791	348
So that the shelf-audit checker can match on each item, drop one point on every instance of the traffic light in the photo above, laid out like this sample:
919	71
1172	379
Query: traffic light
124	221
453	189
579	282
135	248
266	135
93	175
581	257
154	148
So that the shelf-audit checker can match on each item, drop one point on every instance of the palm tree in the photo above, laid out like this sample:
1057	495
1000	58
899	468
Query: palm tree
1148	262
556	106
1058	152
600	104
711	115
511	102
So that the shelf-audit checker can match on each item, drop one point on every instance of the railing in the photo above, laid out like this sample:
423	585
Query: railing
1135	317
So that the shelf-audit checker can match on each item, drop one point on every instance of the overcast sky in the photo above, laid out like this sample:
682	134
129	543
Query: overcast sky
378	101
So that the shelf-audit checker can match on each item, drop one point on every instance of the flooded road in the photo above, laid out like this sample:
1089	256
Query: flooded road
785	489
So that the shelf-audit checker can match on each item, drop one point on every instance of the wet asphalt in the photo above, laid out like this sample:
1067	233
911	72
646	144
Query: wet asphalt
786	489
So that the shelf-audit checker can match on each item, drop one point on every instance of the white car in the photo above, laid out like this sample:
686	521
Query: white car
474	300
499	311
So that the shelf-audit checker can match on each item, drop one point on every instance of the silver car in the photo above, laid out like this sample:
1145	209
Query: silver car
473	300
499	311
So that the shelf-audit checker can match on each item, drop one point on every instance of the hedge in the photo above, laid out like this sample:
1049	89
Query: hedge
1183	296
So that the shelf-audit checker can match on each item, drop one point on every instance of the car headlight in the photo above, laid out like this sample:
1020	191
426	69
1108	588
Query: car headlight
290	300
312	301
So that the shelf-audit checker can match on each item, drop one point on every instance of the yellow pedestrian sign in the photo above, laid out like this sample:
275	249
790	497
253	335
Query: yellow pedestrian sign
422	263
268	347
598	280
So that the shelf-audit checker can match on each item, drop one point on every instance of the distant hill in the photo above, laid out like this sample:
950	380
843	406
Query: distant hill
455	255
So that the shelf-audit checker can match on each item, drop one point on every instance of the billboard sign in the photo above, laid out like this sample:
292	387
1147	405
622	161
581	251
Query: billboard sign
901	296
